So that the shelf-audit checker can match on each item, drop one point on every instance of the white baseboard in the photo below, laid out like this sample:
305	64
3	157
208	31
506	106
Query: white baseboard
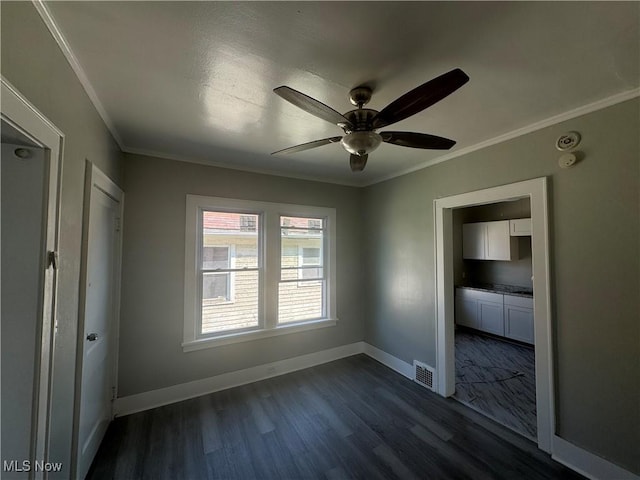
586	463
394	363
184	391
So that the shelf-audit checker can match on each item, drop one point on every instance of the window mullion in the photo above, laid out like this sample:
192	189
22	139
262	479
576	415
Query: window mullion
272	267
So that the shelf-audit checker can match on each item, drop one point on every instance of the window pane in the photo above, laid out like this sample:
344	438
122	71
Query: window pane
239	309
229	240
301	294
299	301
215	257
216	287
310	256
308	273
302	222
301	247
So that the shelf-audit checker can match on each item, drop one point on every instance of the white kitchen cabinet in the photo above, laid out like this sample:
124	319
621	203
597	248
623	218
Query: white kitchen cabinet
491	317
488	241
509	316
480	310
520	227
518	318
467	311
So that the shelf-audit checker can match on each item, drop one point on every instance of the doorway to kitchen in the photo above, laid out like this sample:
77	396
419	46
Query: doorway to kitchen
494	322
536	192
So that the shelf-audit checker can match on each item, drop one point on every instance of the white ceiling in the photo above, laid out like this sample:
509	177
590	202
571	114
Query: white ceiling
194	80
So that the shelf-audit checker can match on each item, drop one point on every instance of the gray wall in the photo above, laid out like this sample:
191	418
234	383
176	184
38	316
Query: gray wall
35	65
595	267
152	309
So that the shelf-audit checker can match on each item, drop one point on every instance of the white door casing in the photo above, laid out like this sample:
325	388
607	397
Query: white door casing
536	191
22	116
99	312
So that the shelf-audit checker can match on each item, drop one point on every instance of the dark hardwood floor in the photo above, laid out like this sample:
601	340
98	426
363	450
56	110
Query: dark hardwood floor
352	418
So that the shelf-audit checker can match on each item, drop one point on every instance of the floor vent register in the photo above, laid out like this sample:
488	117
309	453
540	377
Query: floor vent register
424	375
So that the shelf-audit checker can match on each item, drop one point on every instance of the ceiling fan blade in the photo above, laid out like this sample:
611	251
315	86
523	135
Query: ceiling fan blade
417	140
420	98
312	106
358	162
308	145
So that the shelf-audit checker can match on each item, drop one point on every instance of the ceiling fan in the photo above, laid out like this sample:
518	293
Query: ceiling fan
360	125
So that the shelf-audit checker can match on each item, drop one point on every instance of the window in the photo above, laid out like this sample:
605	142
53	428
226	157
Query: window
302	292
256	269
248	223
230	273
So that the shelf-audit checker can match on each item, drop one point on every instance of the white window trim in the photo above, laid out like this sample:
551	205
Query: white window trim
269	247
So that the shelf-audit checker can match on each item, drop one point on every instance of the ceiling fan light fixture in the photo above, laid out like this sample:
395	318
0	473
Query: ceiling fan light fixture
361	143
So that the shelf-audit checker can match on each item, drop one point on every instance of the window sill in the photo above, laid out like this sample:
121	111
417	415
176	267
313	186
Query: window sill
202	343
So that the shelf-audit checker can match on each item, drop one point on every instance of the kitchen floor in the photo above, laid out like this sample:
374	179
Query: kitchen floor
497	378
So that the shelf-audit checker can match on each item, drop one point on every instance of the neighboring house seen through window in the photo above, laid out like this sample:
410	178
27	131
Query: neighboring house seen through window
216	285
302	291
256	269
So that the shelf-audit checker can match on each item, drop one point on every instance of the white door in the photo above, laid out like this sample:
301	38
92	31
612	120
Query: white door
98	338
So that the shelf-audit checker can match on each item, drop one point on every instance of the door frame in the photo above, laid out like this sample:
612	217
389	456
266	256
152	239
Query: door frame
536	191
94	177
17	111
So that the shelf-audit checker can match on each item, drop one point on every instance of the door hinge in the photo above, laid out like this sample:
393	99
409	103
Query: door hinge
113	394
52	259
118	224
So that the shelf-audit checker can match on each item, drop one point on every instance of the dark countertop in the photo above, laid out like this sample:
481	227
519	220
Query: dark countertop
504	289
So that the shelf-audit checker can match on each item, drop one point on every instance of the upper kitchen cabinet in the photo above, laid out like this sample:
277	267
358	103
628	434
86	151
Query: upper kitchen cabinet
520	227
489	241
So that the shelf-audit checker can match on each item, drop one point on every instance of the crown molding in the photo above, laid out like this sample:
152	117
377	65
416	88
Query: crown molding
57	35
212	163
568	115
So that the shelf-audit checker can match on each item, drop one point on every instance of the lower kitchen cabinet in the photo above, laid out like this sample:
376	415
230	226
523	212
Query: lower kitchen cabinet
518	318
491	316
467	312
505	315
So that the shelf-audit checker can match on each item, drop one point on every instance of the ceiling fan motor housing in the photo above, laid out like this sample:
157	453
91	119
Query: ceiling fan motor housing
360	96
361	119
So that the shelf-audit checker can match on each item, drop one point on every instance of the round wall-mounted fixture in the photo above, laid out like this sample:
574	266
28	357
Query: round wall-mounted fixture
567	160
568	141
22	153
